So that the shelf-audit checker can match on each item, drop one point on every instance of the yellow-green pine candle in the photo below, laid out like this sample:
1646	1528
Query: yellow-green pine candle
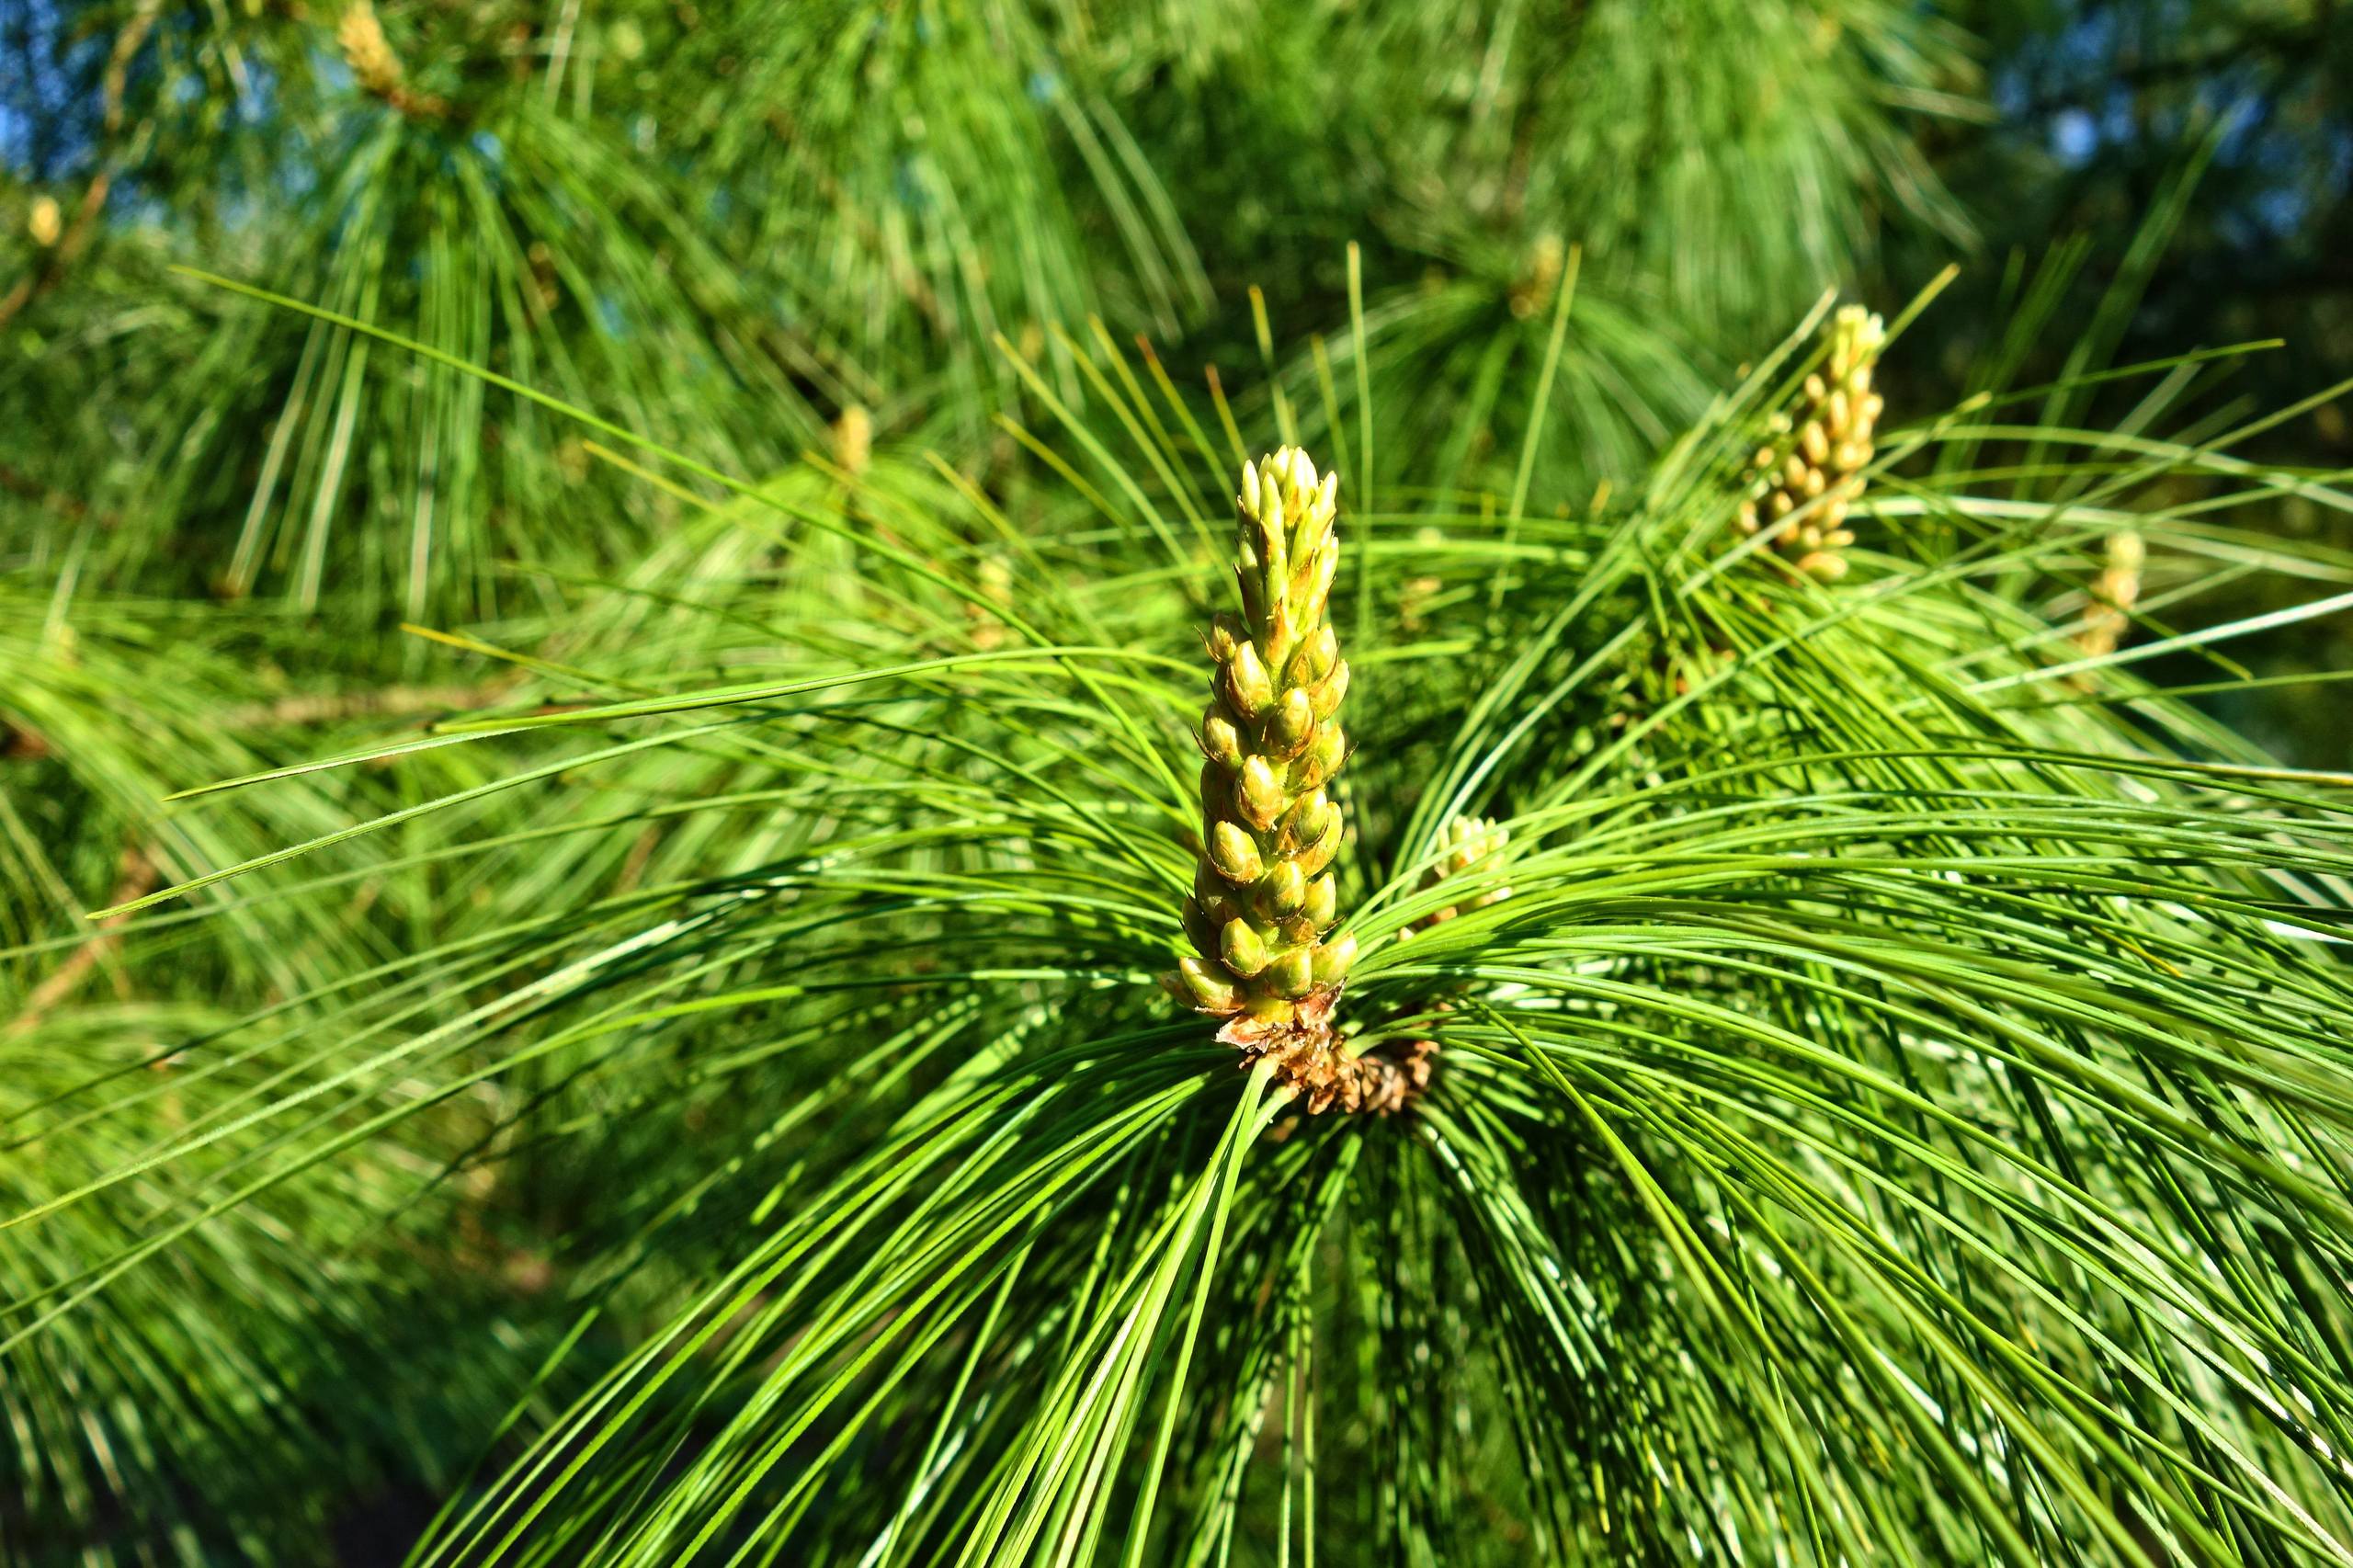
1264	898
1467	842
1817	470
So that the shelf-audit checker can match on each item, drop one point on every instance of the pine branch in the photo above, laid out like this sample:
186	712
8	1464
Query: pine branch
138	875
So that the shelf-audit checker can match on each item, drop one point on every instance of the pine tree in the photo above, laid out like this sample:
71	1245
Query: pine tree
1826	1010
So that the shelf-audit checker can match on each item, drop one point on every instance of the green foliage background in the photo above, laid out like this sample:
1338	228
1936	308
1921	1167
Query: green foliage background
684	524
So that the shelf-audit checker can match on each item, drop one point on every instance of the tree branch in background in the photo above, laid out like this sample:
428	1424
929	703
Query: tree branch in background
392	702
138	876
76	236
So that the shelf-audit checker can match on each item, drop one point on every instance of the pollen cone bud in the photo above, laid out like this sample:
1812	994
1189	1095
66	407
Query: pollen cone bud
1322	900
1292	722
1203	985
1333	959
1285	889
1221	740
1258	792
1271	740
1466	843
2113	596
1292	976
1242	949
1246	683
1235	853
1816	459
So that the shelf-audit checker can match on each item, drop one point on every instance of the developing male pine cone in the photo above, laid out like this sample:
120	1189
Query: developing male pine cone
1818	470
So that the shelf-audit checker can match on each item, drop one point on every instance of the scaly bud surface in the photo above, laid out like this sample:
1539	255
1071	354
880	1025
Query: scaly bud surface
1816	462
1466	841
1264	904
1270	741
